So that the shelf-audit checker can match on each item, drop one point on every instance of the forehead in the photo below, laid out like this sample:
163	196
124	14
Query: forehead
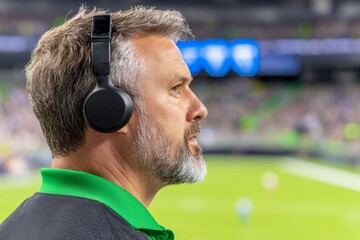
160	56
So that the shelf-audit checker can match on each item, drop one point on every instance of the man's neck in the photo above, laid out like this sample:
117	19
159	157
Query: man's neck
114	168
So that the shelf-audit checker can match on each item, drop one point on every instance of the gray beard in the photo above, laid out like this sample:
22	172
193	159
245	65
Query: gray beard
164	159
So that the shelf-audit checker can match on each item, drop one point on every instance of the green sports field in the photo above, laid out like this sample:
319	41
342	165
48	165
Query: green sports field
295	205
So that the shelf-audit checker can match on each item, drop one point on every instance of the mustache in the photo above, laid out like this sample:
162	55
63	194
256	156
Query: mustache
194	129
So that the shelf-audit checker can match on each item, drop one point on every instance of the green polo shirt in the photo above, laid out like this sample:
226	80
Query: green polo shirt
86	185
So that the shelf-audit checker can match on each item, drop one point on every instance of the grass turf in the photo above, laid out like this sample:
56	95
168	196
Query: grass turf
297	209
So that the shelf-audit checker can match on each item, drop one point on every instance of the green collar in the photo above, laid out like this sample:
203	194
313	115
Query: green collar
86	185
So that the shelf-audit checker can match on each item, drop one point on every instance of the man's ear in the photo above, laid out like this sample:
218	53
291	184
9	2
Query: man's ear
124	129
129	125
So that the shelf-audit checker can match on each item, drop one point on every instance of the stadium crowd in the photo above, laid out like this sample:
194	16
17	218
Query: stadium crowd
22	145
205	27
318	29
279	115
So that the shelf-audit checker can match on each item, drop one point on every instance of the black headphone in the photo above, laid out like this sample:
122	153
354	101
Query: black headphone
106	109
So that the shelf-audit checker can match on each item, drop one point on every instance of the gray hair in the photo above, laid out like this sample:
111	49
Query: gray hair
59	74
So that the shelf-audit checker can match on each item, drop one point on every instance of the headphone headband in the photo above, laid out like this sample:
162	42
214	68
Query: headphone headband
100	45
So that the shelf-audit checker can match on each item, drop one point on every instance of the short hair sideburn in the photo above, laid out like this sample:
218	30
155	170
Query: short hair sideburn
59	74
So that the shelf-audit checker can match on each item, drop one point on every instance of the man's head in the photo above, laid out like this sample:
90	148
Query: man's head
144	62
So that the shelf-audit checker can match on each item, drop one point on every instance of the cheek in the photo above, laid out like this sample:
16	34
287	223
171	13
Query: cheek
170	121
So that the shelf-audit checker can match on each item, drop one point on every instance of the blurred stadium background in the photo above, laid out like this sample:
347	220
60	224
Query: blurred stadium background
282	140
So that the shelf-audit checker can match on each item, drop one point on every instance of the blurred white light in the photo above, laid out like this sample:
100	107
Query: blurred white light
270	181
190	54
244	55
215	55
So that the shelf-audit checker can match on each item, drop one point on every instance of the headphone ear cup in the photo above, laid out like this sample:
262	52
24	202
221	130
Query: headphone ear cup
107	109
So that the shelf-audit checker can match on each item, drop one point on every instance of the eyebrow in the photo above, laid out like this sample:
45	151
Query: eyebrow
183	79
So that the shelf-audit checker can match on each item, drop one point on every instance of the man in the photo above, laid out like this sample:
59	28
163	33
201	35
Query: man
105	173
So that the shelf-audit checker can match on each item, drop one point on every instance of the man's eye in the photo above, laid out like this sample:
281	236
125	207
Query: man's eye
176	89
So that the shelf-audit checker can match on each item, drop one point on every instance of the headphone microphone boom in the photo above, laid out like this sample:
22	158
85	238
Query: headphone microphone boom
106	109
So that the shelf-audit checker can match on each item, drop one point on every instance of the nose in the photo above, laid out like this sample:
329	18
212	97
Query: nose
197	110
